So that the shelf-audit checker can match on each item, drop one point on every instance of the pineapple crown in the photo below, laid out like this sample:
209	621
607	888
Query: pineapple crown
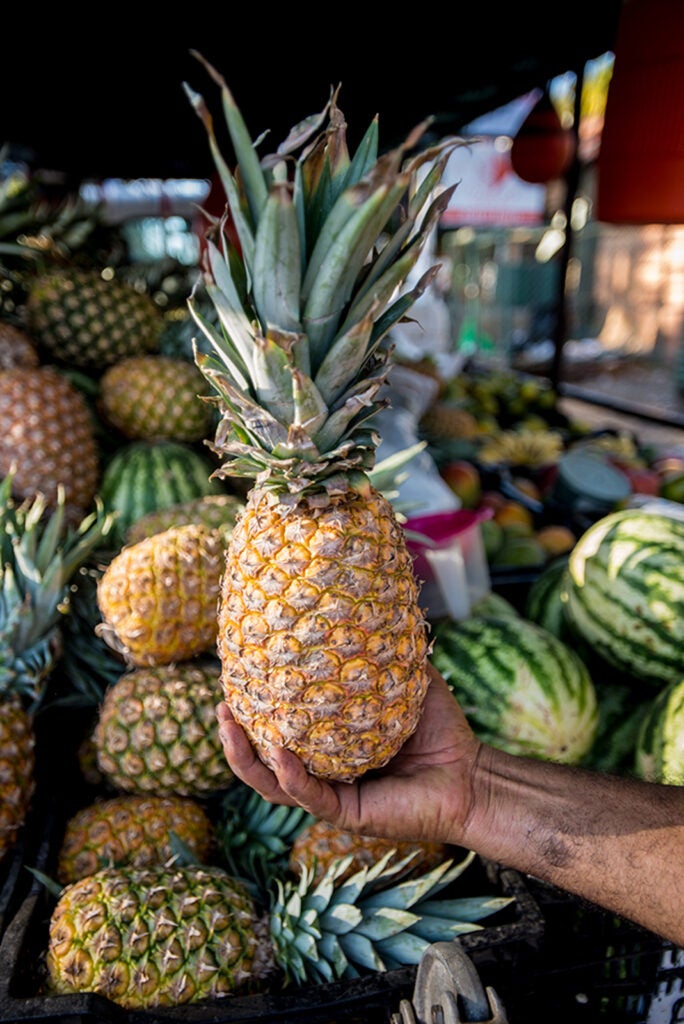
256	835
38	556
330	930
306	286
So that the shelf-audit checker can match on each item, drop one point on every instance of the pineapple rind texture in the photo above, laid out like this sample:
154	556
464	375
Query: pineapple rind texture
158	597
319	843
155	398
322	641
157	732
154	937
17	762
38	406
82	320
132	830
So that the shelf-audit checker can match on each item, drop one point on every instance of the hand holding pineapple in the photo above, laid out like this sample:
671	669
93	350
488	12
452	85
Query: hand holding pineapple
599	836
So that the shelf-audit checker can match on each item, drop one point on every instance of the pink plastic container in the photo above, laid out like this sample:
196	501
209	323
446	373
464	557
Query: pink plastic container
449	560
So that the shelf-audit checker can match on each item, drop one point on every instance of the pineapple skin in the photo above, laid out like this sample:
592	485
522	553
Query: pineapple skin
17	764
158	597
156	732
82	320
156	937
155	398
39	408
322	641
128	829
320	843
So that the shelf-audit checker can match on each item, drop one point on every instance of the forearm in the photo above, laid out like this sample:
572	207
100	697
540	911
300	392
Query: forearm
616	842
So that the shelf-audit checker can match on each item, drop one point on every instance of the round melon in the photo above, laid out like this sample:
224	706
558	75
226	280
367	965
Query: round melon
659	755
145	476
624	593
521	688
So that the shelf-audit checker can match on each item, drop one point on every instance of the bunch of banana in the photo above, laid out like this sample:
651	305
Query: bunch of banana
533	449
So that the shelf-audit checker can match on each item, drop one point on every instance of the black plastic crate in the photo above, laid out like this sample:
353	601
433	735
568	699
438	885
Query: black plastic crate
361	1001
594	967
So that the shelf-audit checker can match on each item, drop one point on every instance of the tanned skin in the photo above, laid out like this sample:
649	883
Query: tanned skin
615	841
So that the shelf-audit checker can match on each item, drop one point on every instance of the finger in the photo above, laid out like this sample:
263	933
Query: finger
243	760
315	795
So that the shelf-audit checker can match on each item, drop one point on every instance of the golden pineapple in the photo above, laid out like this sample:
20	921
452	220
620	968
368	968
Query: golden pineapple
156	731
160	936
131	830
321	638
48	438
323	644
319	844
158	597
155	398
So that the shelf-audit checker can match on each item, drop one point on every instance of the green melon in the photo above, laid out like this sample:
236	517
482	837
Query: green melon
624	593
521	688
544	603
145	476
659	755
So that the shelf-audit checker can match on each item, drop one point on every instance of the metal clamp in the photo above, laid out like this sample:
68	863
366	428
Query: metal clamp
448	990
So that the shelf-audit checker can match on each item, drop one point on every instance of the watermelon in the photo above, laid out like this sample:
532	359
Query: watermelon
659	754
522	689
624	593
544	602
494	605
145	476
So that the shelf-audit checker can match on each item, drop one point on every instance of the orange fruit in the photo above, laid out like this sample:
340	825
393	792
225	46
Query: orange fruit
556	539
514	517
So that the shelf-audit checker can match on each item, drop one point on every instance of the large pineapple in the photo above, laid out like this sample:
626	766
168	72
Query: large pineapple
161	937
38	557
323	644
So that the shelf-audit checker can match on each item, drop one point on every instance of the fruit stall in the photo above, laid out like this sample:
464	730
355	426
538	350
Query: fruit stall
224	482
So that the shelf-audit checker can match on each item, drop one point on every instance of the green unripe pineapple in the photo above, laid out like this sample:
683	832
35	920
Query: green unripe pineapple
84	320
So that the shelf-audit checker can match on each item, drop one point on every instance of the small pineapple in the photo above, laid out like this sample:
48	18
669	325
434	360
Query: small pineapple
158	597
319	844
132	830
323	644
157	732
168	937
38	557
88	319
48	438
215	511
155	398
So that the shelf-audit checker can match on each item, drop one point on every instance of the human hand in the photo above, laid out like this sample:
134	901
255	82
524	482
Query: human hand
424	793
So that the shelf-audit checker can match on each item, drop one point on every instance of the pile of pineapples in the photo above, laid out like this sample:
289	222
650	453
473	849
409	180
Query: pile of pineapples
294	600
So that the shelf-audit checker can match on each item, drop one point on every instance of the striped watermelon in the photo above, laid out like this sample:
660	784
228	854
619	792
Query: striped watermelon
144	476
521	688
624	593
544	603
659	755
